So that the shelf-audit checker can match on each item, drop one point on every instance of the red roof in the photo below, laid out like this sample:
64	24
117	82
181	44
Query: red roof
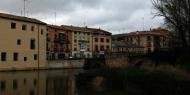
156	32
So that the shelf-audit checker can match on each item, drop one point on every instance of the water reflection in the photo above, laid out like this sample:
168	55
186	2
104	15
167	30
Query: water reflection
53	82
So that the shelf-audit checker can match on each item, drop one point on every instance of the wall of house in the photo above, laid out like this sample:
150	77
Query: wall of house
76	44
8	44
54	46
106	45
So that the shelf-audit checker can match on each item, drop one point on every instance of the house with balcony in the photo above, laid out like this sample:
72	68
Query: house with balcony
59	41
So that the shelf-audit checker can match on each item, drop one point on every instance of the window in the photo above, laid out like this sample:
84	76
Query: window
75	49
13	25
149	50
32	44
2	85
107	47
15	56
24	27
24	81
148	38
107	40
19	42
96	39
149	44
75	40
102	39
32	28
102	48
25	58
42	31
15	84
96	48
75	32
3	56
35	56
35	82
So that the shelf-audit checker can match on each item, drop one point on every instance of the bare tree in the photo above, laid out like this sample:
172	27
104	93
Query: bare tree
177	18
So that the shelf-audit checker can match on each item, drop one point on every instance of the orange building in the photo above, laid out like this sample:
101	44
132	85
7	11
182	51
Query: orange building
155	39
101	41
58	42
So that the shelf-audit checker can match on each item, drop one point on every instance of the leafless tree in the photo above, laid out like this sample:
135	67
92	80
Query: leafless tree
177	18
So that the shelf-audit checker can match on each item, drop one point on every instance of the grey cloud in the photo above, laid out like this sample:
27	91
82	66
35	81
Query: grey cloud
112	15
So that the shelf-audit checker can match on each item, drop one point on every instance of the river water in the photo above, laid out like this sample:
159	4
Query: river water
50	82
64	82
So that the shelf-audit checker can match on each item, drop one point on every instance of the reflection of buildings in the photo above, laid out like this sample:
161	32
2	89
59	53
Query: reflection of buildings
156	39
22	83
55	82
22	42
61	83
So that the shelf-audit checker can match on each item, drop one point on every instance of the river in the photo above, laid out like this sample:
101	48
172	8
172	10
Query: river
64	82
49	82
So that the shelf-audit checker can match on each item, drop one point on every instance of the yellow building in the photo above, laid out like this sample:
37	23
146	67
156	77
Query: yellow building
81	42
22	42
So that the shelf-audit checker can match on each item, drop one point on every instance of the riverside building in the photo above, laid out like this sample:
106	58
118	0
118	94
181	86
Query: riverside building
22	42
150	41
58	42
81	42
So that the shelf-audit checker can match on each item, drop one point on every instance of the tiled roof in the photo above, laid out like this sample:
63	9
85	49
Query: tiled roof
21	18
84	29
157	32
57	27
75	28
99	30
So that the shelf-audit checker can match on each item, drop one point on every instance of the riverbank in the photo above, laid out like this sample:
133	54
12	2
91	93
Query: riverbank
53	64
162	80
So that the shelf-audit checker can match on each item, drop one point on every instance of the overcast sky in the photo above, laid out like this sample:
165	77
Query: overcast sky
116	16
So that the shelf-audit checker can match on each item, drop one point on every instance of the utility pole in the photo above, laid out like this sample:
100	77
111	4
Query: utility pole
55	14
143	23
25	7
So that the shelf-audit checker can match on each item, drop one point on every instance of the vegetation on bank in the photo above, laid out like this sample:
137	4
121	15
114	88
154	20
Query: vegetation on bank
133	81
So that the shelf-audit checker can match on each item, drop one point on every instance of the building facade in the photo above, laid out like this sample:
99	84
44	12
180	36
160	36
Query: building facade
101	41
155	39
152	40
122	47
89	42
81	42
22	42
59	42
